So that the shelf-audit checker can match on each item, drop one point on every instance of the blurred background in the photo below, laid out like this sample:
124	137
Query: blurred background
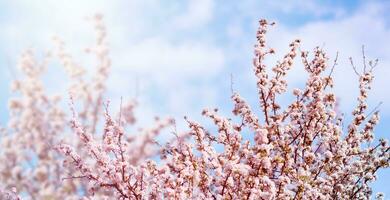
177	57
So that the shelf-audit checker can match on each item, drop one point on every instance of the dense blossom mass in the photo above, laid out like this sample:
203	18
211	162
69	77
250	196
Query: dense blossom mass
303	151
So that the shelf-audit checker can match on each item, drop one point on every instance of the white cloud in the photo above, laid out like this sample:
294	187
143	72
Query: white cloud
139	33
197	13
314	8
158	56
139	47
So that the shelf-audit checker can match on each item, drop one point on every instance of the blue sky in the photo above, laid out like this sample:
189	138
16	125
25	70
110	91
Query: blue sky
181	53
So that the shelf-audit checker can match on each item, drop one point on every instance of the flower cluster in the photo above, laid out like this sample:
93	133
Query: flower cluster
9	195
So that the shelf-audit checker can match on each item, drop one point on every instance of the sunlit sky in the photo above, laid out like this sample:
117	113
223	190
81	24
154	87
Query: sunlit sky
178	56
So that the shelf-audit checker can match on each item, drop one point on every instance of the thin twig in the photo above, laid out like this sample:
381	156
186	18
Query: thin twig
74	177
353	66
120	113
376	109
373	64
334	64
364	60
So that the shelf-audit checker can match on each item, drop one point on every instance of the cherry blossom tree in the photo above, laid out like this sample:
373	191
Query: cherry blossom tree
301	152
305	150
39	123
